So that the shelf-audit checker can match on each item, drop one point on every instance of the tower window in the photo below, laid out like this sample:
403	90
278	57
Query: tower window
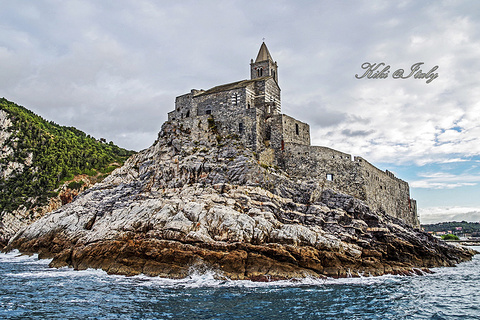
296	129
240	127
260	72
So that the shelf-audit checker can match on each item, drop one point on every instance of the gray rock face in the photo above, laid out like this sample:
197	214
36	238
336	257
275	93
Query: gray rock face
194	199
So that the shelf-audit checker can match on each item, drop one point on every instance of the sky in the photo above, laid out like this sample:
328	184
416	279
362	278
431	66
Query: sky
113	68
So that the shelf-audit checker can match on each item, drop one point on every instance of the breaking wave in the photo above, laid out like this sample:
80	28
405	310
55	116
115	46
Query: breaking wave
31	290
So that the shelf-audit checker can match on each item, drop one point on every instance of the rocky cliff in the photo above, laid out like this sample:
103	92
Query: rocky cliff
198	200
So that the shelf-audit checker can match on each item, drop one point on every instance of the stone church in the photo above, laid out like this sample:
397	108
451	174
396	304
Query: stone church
251	110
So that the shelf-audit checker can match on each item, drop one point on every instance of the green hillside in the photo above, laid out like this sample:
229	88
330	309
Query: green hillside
50	154
466	227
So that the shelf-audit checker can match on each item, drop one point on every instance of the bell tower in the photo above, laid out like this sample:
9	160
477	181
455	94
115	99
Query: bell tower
264	65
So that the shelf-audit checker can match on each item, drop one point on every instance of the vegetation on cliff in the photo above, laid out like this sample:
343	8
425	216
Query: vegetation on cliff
48	154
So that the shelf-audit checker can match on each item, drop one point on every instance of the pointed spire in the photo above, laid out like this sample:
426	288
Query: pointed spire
263	54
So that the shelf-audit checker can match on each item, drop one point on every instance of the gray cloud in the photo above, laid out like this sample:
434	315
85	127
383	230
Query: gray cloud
113	68
444	214
356	133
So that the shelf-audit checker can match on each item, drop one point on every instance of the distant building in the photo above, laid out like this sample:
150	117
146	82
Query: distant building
251	110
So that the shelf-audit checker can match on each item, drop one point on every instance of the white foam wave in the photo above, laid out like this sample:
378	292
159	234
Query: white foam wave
210	279
16	256
202	278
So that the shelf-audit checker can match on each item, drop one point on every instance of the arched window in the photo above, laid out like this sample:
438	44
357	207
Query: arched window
296	129
260	72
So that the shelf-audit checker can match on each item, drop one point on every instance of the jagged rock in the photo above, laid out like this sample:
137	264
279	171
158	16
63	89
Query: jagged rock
190	201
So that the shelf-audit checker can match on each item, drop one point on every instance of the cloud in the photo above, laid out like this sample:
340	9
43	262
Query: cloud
449	213
440	185
356	133
446	180
130	59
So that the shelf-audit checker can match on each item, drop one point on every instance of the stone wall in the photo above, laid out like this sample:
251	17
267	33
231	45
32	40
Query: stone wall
387	193
295	131
339	171
183	107
331	169
282	129
272	98
268	68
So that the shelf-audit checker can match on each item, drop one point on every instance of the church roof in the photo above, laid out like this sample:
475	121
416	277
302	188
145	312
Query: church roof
263	53
230	86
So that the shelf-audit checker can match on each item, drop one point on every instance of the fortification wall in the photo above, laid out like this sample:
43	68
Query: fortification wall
283	129
295	131
339	171
387	193
331	169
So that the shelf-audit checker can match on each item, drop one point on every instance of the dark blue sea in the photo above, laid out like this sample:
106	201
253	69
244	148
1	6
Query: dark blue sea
31	290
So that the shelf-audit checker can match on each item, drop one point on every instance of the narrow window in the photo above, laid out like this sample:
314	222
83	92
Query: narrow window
329	177
240	127
188	114
296	128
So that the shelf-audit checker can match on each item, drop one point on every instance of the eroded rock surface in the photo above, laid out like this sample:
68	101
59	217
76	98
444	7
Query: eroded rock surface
195	200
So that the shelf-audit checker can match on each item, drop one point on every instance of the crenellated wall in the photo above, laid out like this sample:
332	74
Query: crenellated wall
341	172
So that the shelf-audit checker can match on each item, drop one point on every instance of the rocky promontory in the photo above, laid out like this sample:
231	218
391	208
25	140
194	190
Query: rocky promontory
198	200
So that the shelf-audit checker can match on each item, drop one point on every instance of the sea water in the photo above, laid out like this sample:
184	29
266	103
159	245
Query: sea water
29	289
